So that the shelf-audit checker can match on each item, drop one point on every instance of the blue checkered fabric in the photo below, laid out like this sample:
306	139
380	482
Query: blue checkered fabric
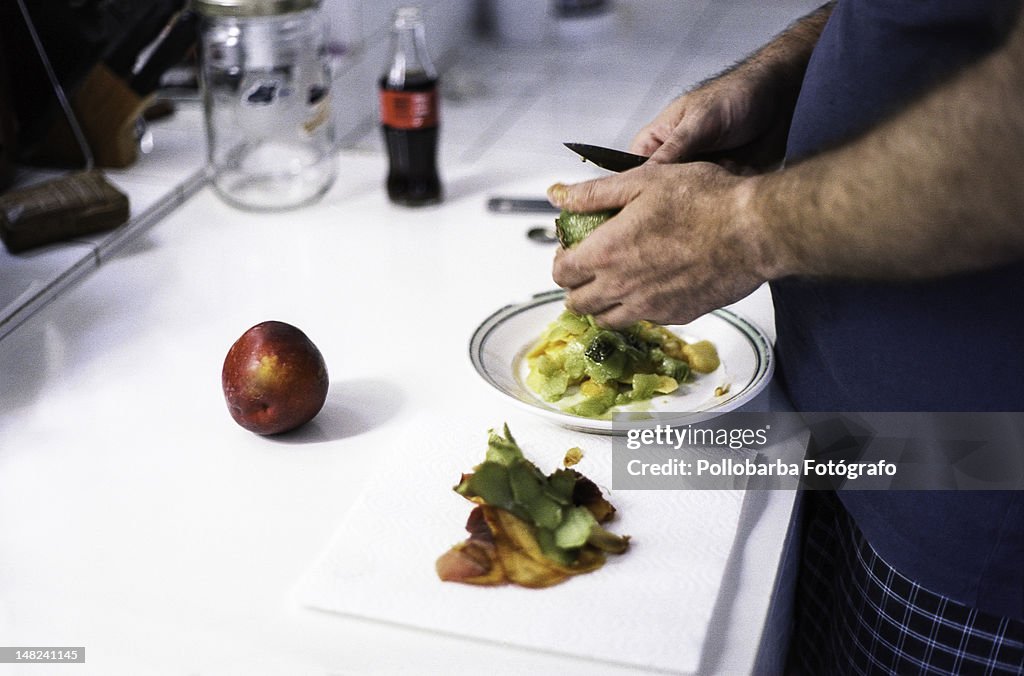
855	614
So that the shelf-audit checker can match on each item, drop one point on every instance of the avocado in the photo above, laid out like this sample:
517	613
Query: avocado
572	227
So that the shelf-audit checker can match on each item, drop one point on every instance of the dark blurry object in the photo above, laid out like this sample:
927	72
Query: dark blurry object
580	8
78	36
176	40
108	110
79	204
158	110
8	130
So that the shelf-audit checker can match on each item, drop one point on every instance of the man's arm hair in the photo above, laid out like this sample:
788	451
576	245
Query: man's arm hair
936	189
786	55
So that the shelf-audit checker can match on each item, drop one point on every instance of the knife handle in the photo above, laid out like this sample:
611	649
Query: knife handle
520	205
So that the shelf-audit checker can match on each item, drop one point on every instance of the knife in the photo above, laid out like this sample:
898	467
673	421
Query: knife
606	158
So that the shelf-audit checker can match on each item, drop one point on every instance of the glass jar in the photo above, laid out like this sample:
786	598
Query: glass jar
266	85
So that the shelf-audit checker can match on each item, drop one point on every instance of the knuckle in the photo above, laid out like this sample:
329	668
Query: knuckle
645	309
620	318
575	302
559	271
600	257
566	270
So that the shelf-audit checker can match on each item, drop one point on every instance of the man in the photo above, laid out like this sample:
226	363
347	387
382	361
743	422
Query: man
893	239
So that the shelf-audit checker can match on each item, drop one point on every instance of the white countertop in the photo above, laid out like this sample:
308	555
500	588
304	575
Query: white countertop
136	518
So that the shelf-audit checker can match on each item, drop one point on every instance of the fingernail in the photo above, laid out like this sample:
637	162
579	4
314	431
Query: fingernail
557	194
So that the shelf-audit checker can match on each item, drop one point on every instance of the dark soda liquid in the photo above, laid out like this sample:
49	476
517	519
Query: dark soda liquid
412	154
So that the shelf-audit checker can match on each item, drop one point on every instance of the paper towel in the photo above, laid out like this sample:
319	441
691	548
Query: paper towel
649	607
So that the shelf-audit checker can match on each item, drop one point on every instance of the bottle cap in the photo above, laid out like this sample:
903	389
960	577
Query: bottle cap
252	7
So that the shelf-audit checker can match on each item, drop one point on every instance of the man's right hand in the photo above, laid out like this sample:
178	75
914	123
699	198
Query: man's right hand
734	121
739	119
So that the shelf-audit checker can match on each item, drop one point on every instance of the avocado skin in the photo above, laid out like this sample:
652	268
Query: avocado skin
572	227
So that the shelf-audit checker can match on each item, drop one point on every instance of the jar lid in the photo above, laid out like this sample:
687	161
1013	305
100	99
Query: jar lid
252	7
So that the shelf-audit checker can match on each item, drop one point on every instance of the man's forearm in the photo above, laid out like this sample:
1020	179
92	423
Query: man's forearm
784	59
935	190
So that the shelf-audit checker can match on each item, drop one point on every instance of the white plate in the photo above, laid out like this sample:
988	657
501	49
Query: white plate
499	345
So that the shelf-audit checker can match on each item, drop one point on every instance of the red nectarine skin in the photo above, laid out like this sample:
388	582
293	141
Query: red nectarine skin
274	378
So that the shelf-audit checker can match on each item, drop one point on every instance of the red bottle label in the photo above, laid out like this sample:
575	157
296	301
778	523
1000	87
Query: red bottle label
408	110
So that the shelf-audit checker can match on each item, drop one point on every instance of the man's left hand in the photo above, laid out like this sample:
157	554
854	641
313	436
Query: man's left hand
683	244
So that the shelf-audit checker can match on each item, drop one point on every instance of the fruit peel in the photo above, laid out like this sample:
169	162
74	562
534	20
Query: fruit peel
528	529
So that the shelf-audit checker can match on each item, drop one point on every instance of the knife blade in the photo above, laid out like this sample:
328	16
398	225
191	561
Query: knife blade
606	158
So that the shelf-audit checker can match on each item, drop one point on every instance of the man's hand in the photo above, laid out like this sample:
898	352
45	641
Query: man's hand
932	191
680	246
740	118
734	121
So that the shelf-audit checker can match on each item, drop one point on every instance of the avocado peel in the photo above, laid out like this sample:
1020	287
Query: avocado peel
527	528
572	227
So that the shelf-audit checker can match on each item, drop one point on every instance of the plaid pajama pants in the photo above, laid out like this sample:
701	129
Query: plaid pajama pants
857	615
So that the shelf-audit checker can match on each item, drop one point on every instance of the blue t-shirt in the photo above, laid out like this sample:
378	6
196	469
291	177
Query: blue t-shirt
949	344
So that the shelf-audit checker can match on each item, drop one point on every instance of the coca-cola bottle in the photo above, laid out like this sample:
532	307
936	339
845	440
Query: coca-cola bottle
409	114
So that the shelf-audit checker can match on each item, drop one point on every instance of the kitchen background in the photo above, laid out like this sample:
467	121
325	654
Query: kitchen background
138	520
517	78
